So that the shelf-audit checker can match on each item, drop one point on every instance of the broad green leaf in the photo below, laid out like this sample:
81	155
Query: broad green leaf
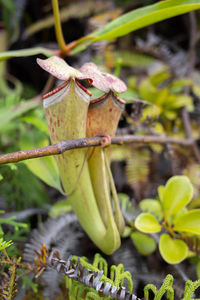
39	123
134	59
151	111
129	95
127	232
179	84
179	101
1	177
161	98
159	76
188	222
139	18
44	168
196	90
147	223
26	52
177	194
172	251
151	206
170	114
7	114
143	243
147	91
59	208
172	219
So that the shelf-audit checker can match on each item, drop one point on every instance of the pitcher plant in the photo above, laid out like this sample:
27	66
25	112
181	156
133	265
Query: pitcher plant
86	174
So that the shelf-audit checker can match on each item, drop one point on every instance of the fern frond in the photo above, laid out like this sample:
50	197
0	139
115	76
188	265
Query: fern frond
96	283
190	288
166	288
9	290
137	166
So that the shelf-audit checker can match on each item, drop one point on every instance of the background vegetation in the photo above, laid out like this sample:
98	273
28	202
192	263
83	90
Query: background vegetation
160	65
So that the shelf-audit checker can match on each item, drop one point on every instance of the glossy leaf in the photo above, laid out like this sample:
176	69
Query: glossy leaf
147	223
177	194
188	222
139	18
143	243
151	206
172	251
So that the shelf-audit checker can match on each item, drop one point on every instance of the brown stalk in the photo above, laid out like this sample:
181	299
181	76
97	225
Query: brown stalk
63	146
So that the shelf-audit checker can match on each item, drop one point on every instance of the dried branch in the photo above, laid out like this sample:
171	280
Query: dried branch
89	142
192	58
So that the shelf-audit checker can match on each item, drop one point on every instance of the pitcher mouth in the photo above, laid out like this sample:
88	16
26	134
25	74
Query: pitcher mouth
57	94
60	87
54	91
120	102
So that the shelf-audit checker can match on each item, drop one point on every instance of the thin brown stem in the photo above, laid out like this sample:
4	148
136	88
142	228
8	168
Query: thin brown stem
188	132
89	142
7	256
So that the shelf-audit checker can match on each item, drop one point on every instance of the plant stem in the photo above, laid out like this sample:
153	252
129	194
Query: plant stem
58	28
8	258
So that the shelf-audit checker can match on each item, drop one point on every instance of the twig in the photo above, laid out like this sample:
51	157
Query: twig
188	132
8	258
89	142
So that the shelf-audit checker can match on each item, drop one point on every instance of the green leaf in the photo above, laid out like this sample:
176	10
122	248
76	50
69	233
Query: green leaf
44	168
142	17
59	208
177	194
143	243
196	90
7	114
151	206
159	76
4	244
9	4
188	222
179	84
134	59
139	18
180	101
26	52
147	223
37	121
127	232
172	251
